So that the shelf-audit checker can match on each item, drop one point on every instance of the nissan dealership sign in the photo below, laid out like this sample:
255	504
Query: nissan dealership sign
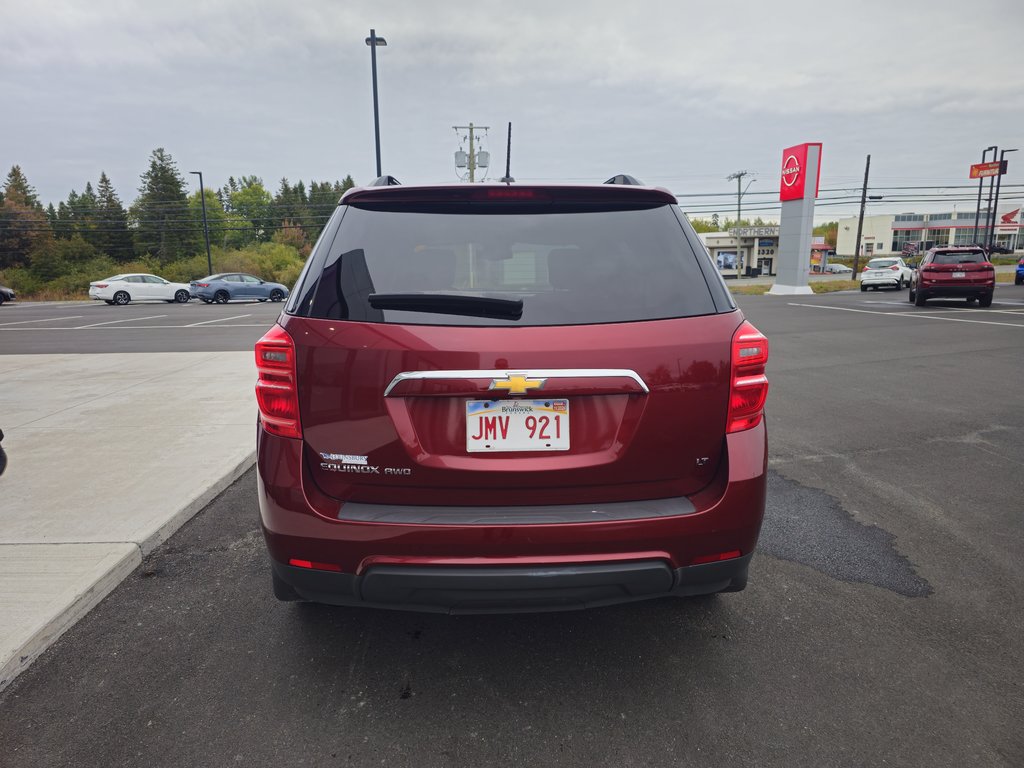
794	173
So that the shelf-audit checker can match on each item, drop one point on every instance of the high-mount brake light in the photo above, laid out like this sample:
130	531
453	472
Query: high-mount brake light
276	391
511	193
749	386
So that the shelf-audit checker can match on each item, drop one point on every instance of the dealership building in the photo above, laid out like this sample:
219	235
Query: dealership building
745	251
890	234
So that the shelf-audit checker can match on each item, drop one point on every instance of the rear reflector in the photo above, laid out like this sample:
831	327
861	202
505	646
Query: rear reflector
749	388
731	554
276	392
313	565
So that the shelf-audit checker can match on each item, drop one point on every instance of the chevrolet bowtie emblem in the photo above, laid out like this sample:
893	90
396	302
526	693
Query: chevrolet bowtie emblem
517	383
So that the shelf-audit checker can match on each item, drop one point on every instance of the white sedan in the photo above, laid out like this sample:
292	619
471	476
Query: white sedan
889	272
122	289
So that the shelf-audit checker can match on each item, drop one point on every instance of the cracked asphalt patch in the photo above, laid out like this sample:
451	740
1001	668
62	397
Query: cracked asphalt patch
810	527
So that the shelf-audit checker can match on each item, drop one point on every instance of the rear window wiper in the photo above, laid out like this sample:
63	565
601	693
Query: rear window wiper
449	304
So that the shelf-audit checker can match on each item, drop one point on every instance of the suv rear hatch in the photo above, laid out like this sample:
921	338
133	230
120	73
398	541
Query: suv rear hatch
955	267
509	346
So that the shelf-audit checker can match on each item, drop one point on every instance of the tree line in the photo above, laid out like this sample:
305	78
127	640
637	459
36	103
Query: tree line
93	234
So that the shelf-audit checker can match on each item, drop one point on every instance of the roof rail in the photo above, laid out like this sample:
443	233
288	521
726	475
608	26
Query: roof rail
385	181
623	178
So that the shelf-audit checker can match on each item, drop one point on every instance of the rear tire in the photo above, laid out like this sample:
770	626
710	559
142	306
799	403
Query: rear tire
910	294
276	295
985	301
182	296
919	299
1018	281
121	298
900	285
221	297
863	288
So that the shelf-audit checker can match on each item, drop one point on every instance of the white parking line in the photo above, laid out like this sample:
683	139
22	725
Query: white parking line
123	320
47	320
907	314
218	320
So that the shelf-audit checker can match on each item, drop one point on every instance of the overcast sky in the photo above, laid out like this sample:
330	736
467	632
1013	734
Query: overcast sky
679	94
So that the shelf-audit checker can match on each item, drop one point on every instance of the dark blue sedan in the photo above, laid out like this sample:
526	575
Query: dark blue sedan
236	286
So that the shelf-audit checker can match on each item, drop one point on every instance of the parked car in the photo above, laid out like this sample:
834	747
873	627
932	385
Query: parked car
233	286
954	273
487	398
999	249
837	269
6	294
888	272
123	289
3	455
1018	277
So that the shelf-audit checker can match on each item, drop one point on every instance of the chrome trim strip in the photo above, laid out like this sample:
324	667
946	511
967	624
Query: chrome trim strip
537	373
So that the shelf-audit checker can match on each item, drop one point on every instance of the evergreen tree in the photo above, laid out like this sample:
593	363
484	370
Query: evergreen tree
114	237
23	224
160	215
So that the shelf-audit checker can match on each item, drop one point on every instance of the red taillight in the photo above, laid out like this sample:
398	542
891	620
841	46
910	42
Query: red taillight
276	391
718	557
101	285
314	565
202	285
895	268
749	388
865	269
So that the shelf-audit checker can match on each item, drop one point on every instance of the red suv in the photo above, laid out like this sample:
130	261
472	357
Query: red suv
488	398
954	273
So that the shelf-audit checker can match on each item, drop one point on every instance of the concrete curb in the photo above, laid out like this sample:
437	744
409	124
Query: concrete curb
83	602
117	571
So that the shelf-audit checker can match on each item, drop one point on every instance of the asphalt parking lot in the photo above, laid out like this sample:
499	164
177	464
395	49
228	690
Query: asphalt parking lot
882	624
95	327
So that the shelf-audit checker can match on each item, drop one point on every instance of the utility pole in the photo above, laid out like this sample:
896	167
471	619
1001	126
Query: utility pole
206	227
507	178
860	221
739	192
981	183
471	161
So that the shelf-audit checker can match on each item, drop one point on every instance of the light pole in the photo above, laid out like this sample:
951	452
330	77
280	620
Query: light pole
373	41
995	206
981	184
206	227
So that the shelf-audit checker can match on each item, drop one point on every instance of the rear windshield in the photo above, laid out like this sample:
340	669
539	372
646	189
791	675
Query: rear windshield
881	263
453	268
958	257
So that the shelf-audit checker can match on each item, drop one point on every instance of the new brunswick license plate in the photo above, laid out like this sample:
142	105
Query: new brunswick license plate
517	425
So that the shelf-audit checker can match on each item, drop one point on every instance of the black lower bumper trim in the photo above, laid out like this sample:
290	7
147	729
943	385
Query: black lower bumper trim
513	589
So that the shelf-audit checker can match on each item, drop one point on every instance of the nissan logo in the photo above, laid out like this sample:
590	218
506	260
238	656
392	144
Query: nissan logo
790	170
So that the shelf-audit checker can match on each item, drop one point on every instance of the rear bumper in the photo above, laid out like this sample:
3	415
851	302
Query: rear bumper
510	590
585	563
890	282
956	291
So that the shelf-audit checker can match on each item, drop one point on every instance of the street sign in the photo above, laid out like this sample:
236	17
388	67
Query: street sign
984	170
794	163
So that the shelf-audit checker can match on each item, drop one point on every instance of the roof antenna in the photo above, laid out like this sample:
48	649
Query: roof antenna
507	178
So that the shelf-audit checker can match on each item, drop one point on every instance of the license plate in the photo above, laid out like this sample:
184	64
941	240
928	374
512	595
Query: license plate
517	425
959	274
